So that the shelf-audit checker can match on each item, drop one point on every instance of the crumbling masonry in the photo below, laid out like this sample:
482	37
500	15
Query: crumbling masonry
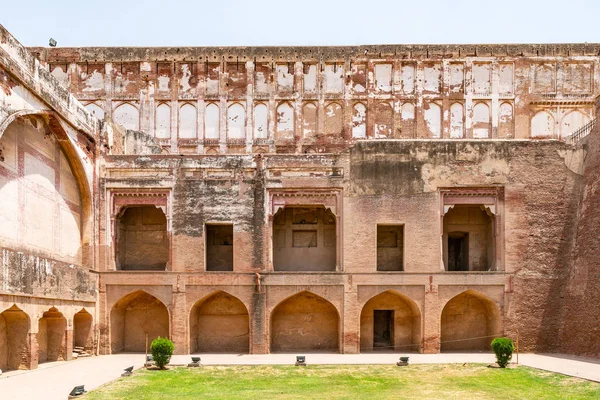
254	200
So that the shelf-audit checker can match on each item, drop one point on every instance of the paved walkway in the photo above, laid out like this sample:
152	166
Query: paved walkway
55	380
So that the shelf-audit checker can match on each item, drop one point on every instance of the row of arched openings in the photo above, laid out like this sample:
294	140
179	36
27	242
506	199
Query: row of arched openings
51	337
220	323
543	123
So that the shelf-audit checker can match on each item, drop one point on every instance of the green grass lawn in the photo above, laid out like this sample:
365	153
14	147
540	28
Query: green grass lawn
448	381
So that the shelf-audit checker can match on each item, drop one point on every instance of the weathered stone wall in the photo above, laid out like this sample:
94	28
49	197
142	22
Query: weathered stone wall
302	99
383	182
580	291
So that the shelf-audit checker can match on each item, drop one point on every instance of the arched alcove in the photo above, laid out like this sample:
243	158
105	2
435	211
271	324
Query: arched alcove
390	321
14	346
219	323
51	337
82	330
128	116
470	321
133	317
305	322
359	121
44	196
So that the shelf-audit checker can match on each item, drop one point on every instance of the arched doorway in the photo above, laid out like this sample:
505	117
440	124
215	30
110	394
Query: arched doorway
305	322
82	331
470	321
133	317
219	323
392	322
51	337
14	346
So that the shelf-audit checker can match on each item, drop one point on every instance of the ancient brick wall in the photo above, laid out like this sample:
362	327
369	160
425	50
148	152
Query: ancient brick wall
580	294
302	99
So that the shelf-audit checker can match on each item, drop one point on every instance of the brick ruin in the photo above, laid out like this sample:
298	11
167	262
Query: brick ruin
256	200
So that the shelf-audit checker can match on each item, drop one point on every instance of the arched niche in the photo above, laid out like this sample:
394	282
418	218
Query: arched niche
469	322
390	321
52	336
305	322
219	323
128	116
133	318
82	330
49	178
359	121
14	343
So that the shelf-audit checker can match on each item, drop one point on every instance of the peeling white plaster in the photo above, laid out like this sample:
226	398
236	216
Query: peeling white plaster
261	121
163	121
211	123
187	121
236	121
359	121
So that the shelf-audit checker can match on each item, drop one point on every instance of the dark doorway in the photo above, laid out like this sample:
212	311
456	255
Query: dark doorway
219	247
383	325
458	251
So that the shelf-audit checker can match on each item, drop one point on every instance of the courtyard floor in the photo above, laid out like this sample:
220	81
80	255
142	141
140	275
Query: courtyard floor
55	380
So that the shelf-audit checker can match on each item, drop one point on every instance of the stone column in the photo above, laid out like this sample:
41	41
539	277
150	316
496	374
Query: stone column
68	344
351	321
30	356
259	333
431	321
179	320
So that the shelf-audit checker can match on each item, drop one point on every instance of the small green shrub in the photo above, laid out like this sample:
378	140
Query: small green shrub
503	347
162	350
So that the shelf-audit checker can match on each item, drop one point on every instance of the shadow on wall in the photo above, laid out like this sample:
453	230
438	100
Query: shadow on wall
133	317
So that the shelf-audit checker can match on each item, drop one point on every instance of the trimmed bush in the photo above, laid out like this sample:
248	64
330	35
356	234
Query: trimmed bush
503	347
162	350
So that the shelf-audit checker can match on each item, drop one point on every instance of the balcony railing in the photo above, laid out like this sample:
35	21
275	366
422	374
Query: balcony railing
582	132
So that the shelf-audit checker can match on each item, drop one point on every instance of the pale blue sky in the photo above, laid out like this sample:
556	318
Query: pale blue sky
301	22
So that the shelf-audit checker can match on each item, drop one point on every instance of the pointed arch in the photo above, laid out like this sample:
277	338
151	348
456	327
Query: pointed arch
52	336
390	320
41	136
219	323
284	121
481	121
163	121
15	326
384	120
433	119
572	121
305	322
334	120
505	120
309	119
82	330
128	116
95	110
261	121
469	322
211	121
457	121
188	121
236	121
542	124
359	121
132	317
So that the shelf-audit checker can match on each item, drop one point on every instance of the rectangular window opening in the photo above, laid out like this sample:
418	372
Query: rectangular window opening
390	247
219	247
